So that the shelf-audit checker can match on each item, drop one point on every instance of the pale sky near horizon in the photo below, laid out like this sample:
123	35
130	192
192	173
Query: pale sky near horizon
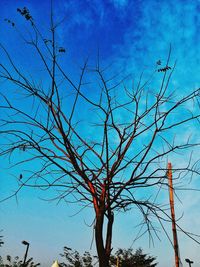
134	34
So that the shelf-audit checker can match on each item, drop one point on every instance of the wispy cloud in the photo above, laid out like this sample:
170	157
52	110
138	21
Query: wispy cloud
155	26
120	3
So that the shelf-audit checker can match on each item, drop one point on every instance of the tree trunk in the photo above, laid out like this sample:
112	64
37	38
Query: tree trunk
103	251
109	233
103	260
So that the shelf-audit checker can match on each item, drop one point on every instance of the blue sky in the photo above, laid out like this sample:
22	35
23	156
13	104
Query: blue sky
133	35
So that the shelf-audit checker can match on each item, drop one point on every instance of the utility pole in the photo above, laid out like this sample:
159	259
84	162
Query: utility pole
171	200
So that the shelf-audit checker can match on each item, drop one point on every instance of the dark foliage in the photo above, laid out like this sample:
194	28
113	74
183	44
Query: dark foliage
127	258
122	257
16	262
74	259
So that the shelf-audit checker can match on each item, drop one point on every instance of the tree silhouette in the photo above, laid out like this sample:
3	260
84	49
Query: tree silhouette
16	262
127	258
98	140
74	259
124	257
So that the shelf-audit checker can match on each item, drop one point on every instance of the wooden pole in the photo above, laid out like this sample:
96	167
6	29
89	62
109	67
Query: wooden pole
117	261
171	198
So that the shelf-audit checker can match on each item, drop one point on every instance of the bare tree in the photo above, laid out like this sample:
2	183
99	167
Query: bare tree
98	140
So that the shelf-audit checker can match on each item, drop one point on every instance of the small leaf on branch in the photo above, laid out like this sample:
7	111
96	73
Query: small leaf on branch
22	147
159	62
10	22
46	41
25	13
164	69
61	50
